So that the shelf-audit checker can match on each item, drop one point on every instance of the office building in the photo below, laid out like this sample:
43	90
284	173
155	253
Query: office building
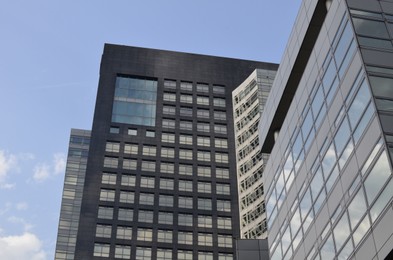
160	180
248	101
328	127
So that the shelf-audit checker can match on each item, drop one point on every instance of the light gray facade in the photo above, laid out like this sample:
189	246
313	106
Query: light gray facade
328	128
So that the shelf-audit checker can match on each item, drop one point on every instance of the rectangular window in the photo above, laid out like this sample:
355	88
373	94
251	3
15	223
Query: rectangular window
150	133
186	86
220	115
204	187
224	205
186	98
185	202
185	185
167	152
204	88
218	89
221	157
204	156
205	239
170	84
222	173
148	166
225	241
186	111
135	101
204	204
169	110
168	138
124	233
107	195
203	141
169	97
143	253
166	184
220	129
146	199
131	149
186	125
132	132
128	180
205	221
168	123
185	139
112	147
101	250
167	168
103	231
203	113
108	178
105	212
184	255
224	223
185	154
147	182
144	234
223	189
165	218
145	216
126	197
185	238
164	236
185	169
203	127
111	162
166	200
123	252
204	171
125	214
201	100
220	143
219	102
129	164
149	150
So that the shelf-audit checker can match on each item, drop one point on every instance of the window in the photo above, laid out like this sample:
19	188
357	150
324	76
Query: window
222	173
204	156
170	84
166	184
204	187
105	212
143	253
225	256
219	102
164	254
204	204
164	236
101	250
114	130
129	164
185	139
168	123
184	255
144	234
146	199
185	202
224	205
185	154
108	178
111	162
205	256
103	231
123	252
205	239
169	110
132	132
202	100
145	216
186	111
223	189
220	115
220	129
149	150
224	223
222	157
186	86
150	133
131	149
135	101
185	125
126	197
167	152
205	221
184	238
218	89
203	141
125	214
186	98
185	169
377	177
167	167
107	195
147	182
224	241
204	171
112	147
185	220
128	180
124	233
220	143
203	88
149	166
168	138
165	218
169	97
166	200
203	127
185	185
203	113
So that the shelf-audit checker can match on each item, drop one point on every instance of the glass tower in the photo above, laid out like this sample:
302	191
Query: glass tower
328	128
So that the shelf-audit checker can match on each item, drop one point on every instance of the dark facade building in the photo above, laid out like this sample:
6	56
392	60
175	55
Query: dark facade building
160	180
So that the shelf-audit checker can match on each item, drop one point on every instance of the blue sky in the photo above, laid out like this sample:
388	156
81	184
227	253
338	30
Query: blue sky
50	54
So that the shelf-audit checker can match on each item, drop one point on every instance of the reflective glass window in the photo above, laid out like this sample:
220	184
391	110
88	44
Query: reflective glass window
377	177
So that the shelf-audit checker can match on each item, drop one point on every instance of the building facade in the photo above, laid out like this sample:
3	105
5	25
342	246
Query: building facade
248	101
328	127
160	180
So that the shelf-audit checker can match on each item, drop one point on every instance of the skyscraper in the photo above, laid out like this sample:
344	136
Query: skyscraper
160	179
328	127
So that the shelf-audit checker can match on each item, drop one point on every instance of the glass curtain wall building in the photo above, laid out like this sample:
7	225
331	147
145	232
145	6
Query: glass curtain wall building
249	100
161	170
328	127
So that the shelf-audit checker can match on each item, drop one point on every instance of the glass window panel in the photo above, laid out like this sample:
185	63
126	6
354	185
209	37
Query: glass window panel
185	238
359	104
103	231
327	250
344	42
164	236
166	200
185	169
341	231
381	86
186	86
382	201
126	197
357	208
101	250
105	212
124	233
145	216
165	218
125	214
384	105
185	220
342	136
129	164
370	27
375	43
202	88
377	177
108	178
185	202
186	98
361	230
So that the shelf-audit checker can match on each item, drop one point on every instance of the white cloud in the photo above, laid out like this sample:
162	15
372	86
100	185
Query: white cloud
23	247
20	221
21	206
59	163
7	162
41	172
